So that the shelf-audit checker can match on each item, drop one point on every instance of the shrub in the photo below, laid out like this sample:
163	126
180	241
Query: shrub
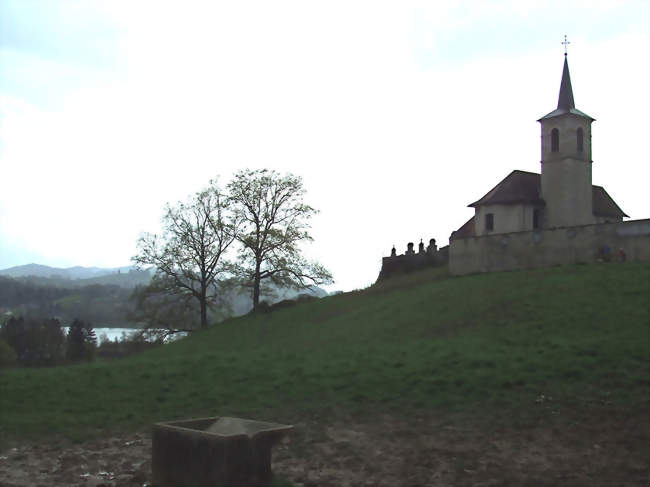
7	354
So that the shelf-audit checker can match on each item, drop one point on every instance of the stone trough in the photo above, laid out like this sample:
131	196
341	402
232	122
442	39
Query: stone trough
213	452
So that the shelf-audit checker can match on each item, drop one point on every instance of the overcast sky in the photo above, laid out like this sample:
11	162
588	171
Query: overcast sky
397	115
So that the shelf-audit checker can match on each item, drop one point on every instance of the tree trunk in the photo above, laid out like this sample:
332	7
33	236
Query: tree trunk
204	307
256	286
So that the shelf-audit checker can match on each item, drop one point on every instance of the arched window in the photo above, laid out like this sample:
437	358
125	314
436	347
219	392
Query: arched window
580	140
536	218
489	222
555	140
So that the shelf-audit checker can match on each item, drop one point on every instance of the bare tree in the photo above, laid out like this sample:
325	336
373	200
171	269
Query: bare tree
164	310
275	220
189	256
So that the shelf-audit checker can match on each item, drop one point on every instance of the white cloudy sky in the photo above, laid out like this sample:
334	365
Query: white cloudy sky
396	114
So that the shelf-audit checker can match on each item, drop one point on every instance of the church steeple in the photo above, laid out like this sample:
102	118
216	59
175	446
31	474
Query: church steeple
566	161
565	100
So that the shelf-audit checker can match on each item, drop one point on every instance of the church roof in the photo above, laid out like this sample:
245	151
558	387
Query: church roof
517	187
603	204
522	187
565	103
467	230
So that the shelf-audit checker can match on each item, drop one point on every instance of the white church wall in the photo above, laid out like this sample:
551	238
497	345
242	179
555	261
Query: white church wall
506	218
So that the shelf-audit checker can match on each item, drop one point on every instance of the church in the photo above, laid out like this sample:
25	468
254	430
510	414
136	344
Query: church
557	217
533	220
562	195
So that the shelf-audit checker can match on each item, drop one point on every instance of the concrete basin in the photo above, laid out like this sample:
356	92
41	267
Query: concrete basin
214	452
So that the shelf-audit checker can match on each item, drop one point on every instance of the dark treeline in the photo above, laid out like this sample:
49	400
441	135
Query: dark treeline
42	342
39	342
128	279
106	304
15	293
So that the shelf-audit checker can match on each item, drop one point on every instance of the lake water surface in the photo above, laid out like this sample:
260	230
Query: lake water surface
109	333
113	333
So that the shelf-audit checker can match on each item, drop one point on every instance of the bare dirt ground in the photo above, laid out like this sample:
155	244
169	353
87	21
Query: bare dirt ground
599	449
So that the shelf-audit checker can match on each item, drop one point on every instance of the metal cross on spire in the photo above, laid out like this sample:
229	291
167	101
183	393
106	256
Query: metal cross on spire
566	43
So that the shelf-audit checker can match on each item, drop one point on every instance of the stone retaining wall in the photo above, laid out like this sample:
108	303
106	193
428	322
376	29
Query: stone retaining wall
540	248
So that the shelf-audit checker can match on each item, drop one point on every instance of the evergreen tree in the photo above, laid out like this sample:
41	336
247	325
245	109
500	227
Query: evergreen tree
90	341
75	341
81	342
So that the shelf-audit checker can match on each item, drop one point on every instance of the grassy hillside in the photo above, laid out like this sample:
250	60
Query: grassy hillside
493	342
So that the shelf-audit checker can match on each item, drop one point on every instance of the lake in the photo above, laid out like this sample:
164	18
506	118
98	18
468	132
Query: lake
113	333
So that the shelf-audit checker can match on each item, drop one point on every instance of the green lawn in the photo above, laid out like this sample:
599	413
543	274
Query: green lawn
491	342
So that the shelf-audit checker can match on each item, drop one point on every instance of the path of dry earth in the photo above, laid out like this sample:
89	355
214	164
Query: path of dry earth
603	450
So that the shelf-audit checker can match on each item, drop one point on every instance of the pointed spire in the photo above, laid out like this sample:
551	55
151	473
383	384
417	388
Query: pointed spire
565	103
565	100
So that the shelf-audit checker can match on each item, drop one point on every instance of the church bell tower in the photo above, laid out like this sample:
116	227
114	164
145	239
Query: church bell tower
566	161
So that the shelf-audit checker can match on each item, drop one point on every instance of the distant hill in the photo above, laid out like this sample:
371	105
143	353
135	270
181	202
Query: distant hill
104	298
127	276
76	272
